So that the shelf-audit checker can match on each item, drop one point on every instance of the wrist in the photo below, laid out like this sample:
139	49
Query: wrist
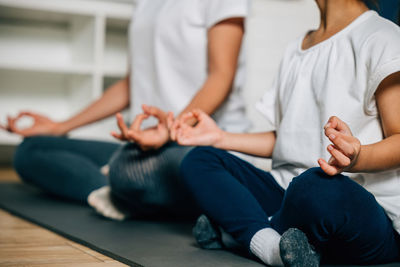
357	166
220	139
62	128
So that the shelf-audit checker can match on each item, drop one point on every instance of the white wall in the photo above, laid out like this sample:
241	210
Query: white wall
272	24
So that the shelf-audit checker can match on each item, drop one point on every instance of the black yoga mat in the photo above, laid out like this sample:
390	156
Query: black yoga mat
136	243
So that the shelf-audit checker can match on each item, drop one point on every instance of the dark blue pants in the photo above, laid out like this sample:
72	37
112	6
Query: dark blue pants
341	219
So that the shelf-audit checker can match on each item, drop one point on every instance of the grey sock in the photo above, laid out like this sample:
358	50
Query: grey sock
296	251
207	235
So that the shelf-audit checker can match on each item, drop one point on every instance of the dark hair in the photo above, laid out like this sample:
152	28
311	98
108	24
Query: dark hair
371	3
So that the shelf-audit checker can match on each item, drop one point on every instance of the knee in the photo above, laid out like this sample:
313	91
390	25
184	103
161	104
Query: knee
195	164
309	187
23	154
313	177
198	157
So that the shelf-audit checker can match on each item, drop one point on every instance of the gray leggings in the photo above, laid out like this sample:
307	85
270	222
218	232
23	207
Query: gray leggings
148	182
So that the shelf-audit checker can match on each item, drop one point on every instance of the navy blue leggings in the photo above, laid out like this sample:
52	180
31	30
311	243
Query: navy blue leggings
341	219
65	167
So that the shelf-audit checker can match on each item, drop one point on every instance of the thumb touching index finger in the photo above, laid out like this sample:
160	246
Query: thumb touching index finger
339	125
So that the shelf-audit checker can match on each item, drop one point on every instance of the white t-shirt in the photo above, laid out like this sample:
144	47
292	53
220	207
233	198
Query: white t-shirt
338	76
168	56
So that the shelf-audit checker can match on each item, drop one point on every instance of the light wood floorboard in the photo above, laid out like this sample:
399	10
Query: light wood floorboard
25	244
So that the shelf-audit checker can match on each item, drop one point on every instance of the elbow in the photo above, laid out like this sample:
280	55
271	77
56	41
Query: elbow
271	145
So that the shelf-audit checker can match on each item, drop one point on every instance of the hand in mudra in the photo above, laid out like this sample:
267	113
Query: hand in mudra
204	133
344	150
42	125
147	139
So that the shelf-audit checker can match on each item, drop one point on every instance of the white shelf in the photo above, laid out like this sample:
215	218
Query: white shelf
81	69
115	72
56	56
116	48
27	38
81	7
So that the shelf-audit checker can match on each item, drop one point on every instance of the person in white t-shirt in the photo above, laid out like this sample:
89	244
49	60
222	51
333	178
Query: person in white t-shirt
183	55
336	96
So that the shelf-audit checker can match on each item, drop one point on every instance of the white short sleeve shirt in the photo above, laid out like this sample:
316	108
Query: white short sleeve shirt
168	56
337	77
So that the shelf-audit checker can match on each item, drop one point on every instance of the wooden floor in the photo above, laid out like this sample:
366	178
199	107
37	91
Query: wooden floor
25	244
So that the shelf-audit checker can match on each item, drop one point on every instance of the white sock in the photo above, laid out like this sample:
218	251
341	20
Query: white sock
265	245
100	200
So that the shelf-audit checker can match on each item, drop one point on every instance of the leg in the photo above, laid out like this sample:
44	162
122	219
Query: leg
235	194
149	181
341	219
64	167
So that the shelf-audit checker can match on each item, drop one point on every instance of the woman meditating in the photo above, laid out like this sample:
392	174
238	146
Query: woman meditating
333	193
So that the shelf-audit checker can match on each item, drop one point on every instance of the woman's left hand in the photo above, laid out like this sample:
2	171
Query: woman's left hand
344	150
150	138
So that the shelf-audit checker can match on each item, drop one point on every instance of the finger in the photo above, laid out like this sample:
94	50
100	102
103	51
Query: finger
11	127
341	160
199	114
137	123
181	138
182	131
332	161
121	124
118	136
174	128
193	119
154	111
27	113
340	141
328	169
187	116
172	134
180	120
178	123
184	128
332	122
185	131
170	120
339	125
135	136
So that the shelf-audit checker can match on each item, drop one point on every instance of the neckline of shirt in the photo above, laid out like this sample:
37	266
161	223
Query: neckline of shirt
353	24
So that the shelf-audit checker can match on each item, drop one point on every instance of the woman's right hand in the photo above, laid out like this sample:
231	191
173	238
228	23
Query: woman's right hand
204	133
148	139
41	125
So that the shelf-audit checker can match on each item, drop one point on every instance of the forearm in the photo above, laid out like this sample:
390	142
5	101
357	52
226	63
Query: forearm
223	47
257	144
115	99
384	155
213	93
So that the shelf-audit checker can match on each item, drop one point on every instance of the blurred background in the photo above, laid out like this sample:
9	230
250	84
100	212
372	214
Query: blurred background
57	56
